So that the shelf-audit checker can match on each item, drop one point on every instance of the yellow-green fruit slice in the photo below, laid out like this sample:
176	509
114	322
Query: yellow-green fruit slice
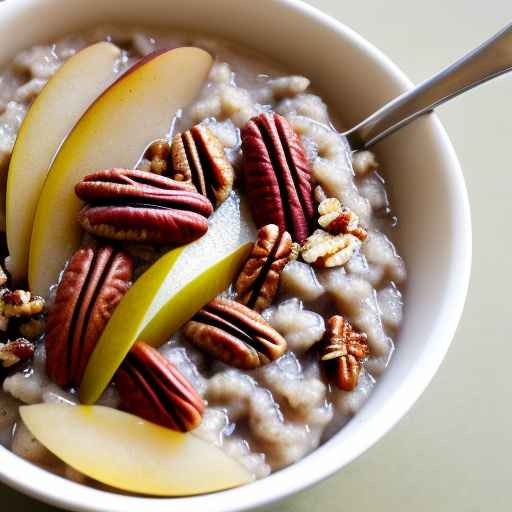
170	292
59	106
182	306
131	454
137	109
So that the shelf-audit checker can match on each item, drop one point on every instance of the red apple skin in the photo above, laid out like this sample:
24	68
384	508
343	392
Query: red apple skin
134	111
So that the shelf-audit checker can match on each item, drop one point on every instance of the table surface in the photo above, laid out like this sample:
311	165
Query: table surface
452	451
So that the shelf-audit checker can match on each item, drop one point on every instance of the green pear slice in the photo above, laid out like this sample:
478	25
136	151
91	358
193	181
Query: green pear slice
170	292
128	453
137	109
53	114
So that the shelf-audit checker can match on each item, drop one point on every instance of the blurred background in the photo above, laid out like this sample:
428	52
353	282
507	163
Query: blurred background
453	451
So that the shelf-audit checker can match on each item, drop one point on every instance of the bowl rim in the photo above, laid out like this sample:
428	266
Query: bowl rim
82	498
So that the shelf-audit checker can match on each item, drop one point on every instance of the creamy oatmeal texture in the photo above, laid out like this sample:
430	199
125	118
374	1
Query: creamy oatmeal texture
272	416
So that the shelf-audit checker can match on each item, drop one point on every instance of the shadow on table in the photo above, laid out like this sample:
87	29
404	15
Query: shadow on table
12	501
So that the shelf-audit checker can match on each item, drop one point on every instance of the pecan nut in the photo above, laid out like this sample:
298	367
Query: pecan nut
198	157
277	176
235	334
338	219
342	352
21	314
324	250
20	303
126	204
92	285
16	351
153	388
258	282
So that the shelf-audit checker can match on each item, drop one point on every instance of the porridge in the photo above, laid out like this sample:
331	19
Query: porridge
253	176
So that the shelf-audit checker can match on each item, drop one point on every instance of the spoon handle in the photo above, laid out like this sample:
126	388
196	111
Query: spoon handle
489	60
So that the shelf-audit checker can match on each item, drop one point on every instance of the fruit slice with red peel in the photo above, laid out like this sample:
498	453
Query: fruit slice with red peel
137	109
131	454
53	114
170	292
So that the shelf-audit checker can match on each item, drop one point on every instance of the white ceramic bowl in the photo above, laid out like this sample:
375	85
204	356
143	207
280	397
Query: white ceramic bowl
427	191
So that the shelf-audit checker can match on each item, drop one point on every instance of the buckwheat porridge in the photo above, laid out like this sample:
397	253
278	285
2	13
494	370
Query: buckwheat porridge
251	170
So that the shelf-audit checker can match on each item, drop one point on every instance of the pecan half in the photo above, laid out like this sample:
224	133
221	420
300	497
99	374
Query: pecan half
153	388
338	219
277	176
16	351
198	157
92	285
342	352
139	206
258	282
235	334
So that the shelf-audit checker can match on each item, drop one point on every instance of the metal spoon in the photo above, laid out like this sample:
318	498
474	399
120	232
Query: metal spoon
489	60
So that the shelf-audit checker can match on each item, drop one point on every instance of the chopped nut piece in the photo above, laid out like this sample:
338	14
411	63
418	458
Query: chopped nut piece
322	249
158	154
343	351
337	219
15	351
20	303
258	282
16	298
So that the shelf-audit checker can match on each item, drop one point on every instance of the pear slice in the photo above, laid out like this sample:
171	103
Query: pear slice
170	292
131	454
137	109
53	114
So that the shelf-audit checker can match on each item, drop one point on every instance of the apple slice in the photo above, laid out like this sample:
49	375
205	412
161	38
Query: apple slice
170	292
131	454
137	109
53	114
